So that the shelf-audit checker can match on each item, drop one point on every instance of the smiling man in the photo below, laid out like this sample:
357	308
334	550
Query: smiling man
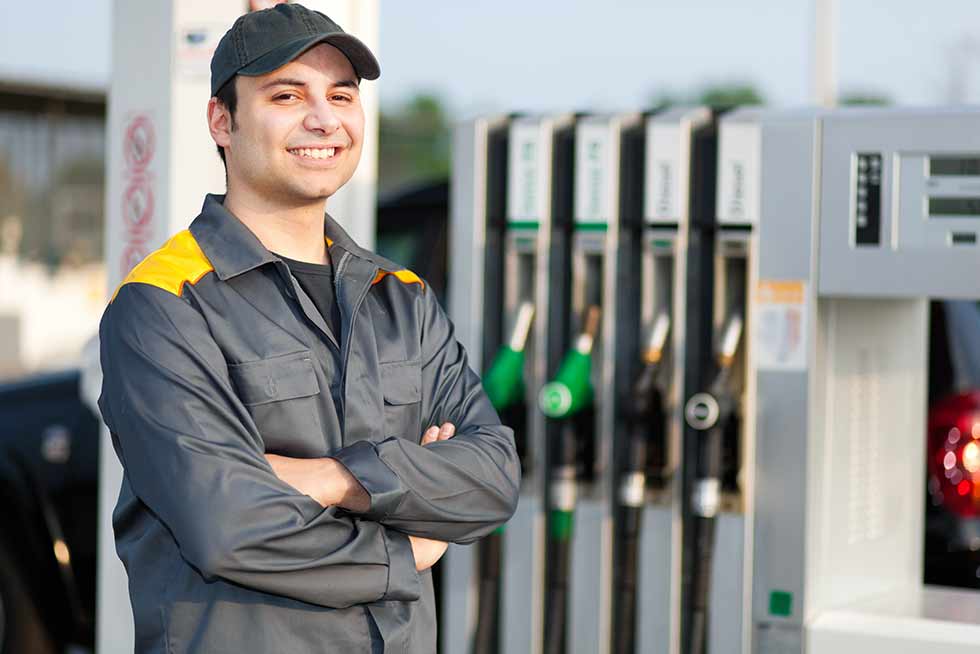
299	430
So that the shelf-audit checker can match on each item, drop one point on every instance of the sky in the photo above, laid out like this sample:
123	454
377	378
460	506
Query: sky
543	55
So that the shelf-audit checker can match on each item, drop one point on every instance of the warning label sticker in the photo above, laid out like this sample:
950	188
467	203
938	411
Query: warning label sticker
780	325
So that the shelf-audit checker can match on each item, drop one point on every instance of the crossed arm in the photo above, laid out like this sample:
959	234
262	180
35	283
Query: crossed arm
330	484
174	415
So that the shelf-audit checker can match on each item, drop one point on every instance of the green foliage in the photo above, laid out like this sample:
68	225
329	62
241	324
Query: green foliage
864	98
713	95
730	95
413	143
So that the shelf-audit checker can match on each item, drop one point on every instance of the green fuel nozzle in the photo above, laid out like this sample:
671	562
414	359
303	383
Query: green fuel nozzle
571	390
504	379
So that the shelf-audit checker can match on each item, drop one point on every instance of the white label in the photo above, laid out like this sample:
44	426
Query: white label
662	192
738	174
780	325
522	172
592	173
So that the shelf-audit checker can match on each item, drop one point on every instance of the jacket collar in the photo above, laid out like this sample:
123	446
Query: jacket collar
232	248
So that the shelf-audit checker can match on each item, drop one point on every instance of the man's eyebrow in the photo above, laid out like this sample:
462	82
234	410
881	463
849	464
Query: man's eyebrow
348	83
282	81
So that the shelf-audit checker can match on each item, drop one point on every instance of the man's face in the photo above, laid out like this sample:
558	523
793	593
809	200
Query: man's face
299	129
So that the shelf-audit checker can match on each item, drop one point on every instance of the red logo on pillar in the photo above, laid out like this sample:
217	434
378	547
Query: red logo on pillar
139	146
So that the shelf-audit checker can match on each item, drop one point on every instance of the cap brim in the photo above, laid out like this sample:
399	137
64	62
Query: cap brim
361	58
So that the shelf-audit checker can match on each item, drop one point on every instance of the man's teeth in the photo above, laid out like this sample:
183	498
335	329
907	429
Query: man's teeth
315	153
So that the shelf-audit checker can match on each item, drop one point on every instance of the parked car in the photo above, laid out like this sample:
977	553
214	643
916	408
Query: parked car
49	461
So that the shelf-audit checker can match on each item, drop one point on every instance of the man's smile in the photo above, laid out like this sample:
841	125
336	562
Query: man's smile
323	153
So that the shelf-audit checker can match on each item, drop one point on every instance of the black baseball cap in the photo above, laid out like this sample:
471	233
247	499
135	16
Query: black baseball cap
261	41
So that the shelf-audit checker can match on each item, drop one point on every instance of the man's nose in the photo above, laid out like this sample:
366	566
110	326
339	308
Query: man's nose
322	118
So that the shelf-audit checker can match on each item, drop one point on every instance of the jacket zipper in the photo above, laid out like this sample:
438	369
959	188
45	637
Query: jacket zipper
345	356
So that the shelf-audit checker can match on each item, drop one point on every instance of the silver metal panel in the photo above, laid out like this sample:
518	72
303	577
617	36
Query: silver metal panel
590	570
778	504
655	600
522	583
886	271
779	520
457	609
727	610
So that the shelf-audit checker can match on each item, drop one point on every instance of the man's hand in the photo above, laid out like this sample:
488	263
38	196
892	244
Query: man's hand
433	434
330	484
426	551
325	480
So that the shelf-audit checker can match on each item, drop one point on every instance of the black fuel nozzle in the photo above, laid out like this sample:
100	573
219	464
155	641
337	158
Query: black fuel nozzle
708	412
646	431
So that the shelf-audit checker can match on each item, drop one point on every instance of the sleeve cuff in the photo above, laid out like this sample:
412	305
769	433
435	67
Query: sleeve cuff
403	580
382	485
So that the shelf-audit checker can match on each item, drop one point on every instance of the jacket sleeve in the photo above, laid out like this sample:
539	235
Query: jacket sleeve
455	490
193	455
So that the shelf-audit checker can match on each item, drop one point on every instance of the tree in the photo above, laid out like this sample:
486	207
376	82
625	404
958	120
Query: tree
720	96
414	142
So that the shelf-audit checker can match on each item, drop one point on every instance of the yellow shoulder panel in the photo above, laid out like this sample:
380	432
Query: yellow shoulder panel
180	260
404	276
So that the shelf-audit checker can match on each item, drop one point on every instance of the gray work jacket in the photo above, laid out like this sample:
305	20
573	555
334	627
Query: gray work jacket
212	356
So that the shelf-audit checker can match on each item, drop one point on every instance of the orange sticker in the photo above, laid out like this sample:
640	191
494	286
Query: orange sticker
780	292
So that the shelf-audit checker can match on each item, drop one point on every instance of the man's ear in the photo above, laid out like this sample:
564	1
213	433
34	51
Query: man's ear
219	122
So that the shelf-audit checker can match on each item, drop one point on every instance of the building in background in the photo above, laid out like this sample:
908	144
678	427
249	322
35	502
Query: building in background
52	171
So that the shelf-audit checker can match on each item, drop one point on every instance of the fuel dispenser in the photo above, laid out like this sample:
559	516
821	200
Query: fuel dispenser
717	432
667	182
856	218
579	400
510	177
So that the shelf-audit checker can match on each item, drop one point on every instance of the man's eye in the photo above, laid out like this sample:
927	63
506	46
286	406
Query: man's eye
284	96
340	98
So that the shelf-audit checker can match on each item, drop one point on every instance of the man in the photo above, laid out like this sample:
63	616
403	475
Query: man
266	382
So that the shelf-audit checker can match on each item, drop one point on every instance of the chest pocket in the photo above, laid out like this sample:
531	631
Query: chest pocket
281	394
401	385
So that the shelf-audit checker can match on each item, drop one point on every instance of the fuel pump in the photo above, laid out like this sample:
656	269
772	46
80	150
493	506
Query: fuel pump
858	218
716	433
507	185
666	184
578	405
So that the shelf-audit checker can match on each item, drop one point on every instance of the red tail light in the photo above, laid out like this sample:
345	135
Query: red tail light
954	453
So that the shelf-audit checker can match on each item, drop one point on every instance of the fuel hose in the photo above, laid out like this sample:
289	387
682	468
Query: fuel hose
646	429
504	385
567	398
709	412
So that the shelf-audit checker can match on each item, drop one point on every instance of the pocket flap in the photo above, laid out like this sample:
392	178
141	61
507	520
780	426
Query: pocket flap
278	378
401	382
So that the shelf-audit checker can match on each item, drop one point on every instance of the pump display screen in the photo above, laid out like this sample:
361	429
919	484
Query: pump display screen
958	166
955	207
867	200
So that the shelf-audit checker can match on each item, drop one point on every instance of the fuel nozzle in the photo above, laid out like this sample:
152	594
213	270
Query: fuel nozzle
644	413
571	390
504	379
706	409
645	395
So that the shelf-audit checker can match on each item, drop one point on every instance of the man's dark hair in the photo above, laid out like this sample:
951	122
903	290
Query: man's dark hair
228	96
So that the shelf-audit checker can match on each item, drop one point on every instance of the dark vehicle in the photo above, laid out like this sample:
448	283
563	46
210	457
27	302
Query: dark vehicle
49	461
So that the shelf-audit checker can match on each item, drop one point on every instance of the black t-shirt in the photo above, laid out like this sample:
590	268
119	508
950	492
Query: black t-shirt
317	280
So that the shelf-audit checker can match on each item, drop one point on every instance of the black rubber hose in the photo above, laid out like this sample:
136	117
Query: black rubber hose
487	637
709	473
625	599
646	433
560	527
